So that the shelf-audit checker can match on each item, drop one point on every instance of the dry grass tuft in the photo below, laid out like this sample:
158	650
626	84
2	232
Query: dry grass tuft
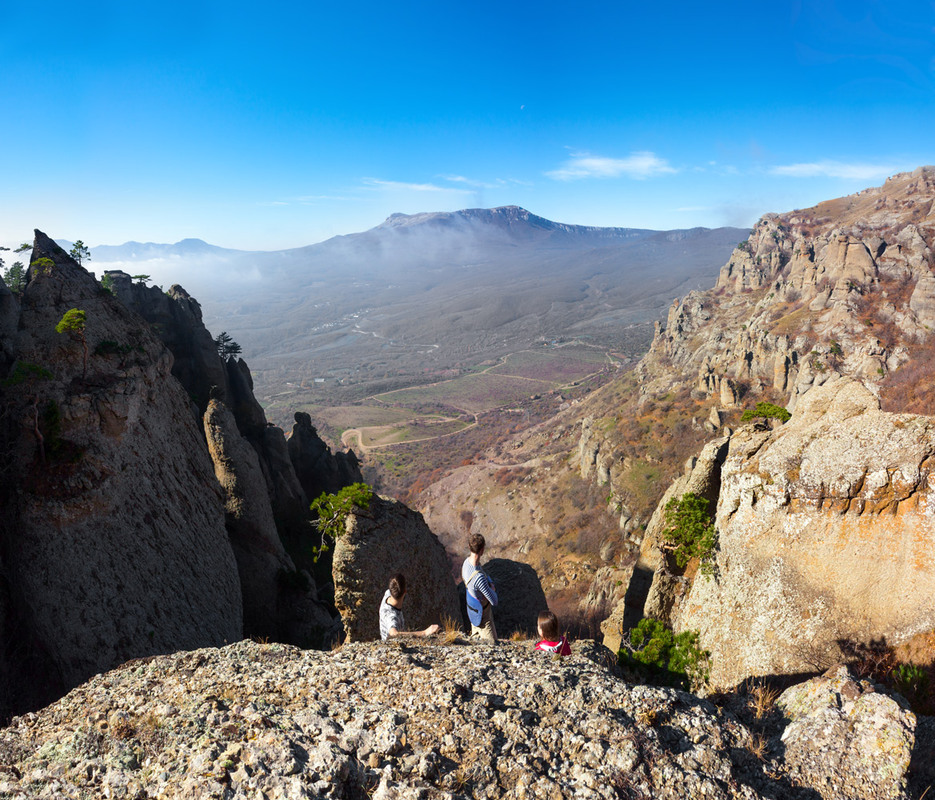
762	699
758	746
647	717
451	630
518	636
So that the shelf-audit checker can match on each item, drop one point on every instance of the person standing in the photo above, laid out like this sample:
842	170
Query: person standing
481	594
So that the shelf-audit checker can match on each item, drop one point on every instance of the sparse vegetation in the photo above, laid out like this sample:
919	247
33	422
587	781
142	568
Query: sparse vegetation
73	322
14	276
42	266
332	511
226	346
764	410
666	658
80	252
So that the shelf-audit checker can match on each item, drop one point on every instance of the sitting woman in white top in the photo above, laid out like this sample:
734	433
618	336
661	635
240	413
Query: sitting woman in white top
392	621
481	594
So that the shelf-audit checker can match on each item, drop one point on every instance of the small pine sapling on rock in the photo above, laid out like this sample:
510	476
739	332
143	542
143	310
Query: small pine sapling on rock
333	510
73	323
766	411
226	346
689	532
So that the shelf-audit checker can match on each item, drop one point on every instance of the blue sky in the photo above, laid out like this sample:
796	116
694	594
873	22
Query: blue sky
265	126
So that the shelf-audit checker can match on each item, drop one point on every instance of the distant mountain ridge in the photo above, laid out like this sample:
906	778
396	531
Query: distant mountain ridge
504	224
513	218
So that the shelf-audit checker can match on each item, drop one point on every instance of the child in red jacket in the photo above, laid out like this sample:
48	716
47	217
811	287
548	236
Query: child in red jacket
551	642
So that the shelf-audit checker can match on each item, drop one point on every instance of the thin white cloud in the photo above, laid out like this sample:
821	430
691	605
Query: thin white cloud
468	181
410	187
835	169
639	166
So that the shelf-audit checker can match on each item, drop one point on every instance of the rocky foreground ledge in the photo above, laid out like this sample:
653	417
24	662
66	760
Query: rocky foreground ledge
433	720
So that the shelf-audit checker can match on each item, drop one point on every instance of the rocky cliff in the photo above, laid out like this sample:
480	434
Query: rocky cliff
113	540
124	533
822	522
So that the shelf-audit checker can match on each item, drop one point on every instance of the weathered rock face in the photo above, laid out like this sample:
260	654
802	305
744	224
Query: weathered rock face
845	739
810	294
826	532
400	721
176	317
520	596
319	470
379	542
249	518
114	543
279	603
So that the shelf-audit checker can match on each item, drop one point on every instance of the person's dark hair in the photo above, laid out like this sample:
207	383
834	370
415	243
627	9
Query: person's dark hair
548	624
477	543
397	586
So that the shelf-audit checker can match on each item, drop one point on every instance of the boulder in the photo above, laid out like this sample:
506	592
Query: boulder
380	541
825	532
519	594
846	740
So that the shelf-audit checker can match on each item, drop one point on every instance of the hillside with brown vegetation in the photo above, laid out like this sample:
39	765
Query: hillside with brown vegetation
845	288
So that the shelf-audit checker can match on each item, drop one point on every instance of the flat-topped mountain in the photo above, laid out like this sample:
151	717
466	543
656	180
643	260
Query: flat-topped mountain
516	221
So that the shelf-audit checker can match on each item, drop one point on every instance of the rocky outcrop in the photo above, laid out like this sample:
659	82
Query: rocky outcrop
655	590
846	739
519	594
405	721
385	539
113	542
825	531
176	318
279	601
249	518
319	470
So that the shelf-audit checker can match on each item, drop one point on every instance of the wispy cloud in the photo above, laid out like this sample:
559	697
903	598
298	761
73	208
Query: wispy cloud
376	183
470	182
836	169
639	166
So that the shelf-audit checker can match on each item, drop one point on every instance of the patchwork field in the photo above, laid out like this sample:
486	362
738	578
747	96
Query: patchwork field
442	408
